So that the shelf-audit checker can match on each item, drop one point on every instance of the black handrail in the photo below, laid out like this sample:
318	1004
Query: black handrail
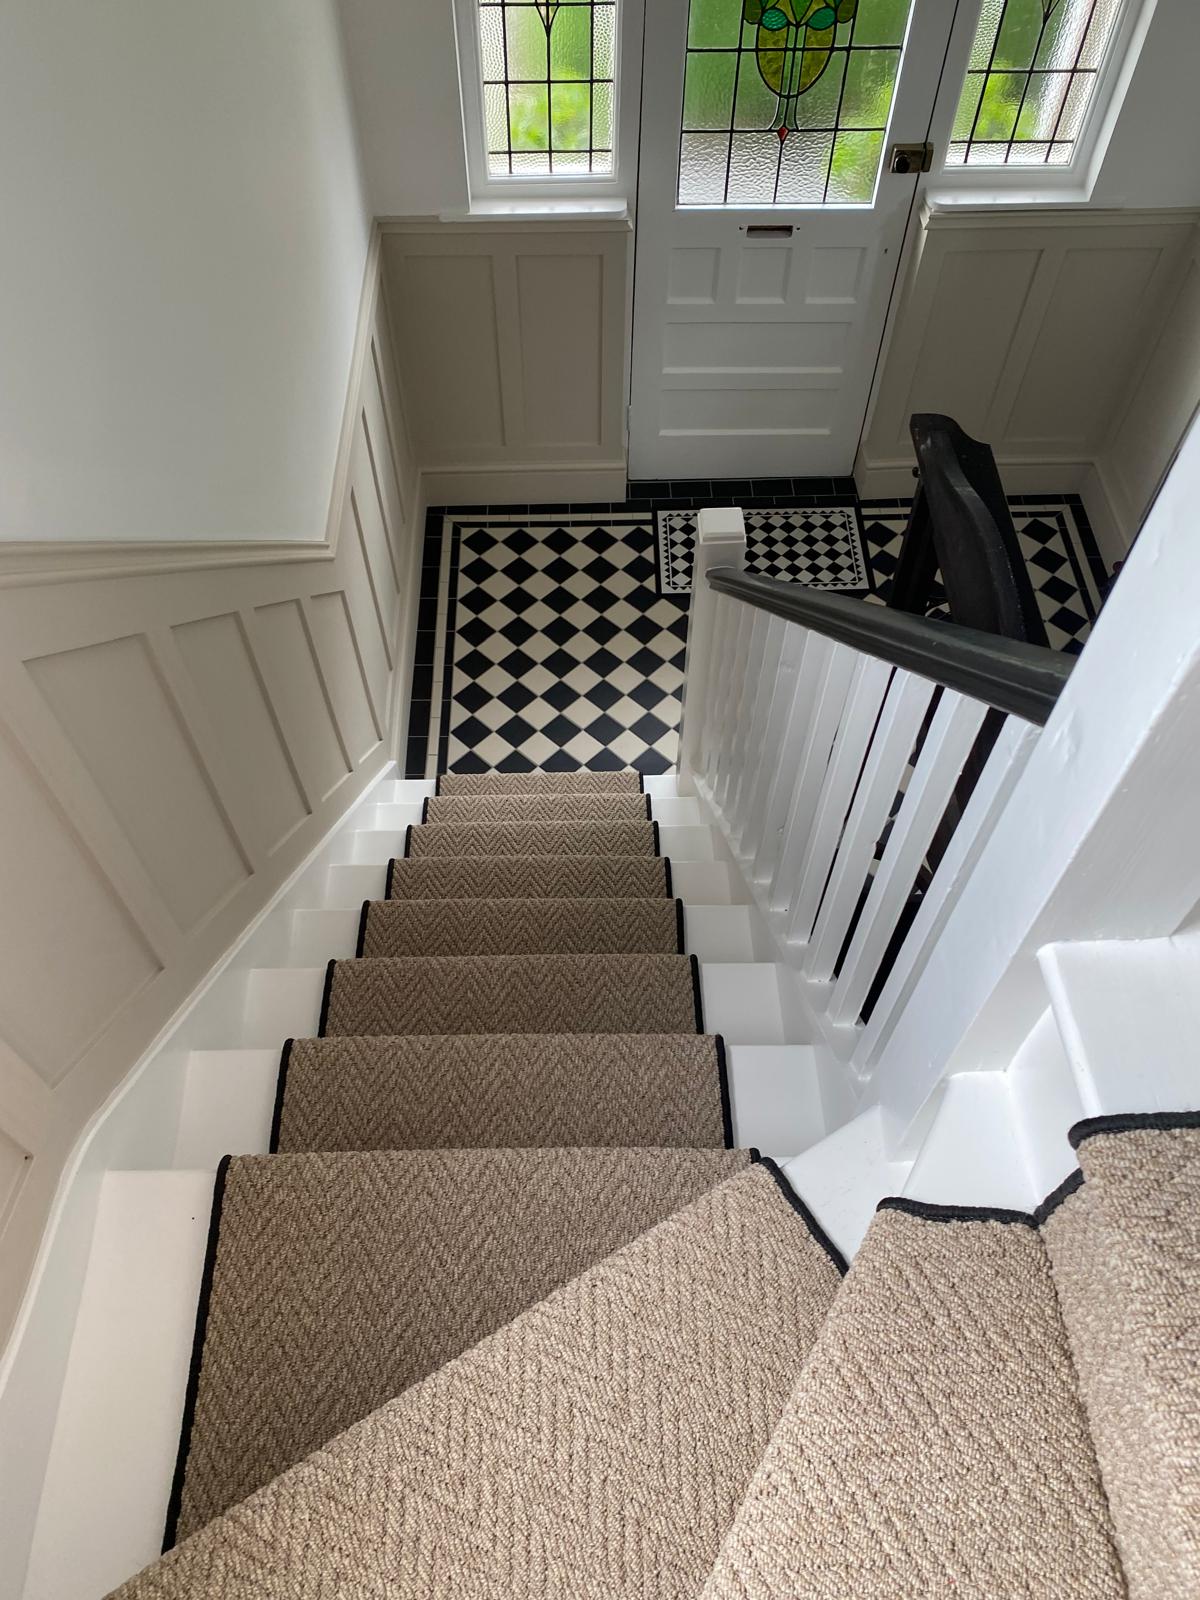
1026	679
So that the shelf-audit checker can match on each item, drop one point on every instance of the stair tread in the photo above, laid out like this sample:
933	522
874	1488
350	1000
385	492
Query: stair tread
555	925
513	994
1126	1252
581	782
935	1442
511	1090
598	807
597	1444
638	877
339	1280
532	839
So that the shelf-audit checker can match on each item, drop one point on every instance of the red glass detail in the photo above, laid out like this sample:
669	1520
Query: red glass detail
782	132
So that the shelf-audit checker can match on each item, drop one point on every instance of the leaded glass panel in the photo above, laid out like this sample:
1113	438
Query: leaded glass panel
1029	82
786	102
547	85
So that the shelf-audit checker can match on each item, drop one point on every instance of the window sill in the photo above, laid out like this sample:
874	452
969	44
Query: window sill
597	213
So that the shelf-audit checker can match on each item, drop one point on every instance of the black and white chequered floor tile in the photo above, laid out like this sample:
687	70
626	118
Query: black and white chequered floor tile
1059	551
820	546
560	653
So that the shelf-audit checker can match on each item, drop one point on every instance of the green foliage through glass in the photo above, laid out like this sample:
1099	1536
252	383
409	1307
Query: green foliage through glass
547	85
1030	81
786	102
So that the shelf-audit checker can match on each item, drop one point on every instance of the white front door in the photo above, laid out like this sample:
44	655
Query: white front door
769	225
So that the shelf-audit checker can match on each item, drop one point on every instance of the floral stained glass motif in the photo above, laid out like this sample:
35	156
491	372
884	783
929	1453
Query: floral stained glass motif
786	102
1030	80
548	78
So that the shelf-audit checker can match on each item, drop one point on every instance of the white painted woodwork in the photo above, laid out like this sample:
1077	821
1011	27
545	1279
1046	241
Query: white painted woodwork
1158	403
512	333
811	825
1128	1012
1097	838
753	357
1030	327
179	727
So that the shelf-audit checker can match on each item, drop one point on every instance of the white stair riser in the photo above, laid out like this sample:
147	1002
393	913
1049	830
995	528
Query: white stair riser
665	786
306	938
366	846
740	998
229	1100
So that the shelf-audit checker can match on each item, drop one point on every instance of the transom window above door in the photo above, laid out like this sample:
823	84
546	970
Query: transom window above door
786	102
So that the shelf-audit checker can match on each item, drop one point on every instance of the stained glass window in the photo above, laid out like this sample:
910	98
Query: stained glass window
547	85
786	102
1031	77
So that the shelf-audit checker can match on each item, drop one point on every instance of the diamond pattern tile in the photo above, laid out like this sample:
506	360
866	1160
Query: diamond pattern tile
819	546
562	653
1058	552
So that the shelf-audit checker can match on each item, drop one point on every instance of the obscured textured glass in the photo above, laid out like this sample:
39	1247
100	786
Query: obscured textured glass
855	166
547	68
708	90
702	162
781	80
804	169
1032	74
753	164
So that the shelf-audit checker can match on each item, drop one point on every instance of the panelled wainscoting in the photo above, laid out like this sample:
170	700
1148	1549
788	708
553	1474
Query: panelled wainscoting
180	727
554	636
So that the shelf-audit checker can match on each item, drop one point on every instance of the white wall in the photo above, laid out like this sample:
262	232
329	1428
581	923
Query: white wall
184	234
404	73
1153	156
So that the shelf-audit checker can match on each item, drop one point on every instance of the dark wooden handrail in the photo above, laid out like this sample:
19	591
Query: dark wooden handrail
1025	679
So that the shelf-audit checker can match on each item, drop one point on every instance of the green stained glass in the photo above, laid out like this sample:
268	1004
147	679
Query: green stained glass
782	82
1032	74
547	68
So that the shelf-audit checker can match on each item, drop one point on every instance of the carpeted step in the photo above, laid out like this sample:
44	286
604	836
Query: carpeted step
936	1443
541	877
1125	1242
540	783
520	927
532	839
334	1282
513	994
511	1090
597	1446
537	808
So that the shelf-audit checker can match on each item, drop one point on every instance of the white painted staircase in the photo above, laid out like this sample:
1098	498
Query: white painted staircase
1115	1036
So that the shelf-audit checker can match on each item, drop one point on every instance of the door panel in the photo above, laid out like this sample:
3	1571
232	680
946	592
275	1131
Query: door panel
756	327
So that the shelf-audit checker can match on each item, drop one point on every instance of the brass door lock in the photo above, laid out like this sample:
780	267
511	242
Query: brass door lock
910	158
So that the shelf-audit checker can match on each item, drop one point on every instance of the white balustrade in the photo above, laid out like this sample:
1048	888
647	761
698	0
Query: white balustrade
837	780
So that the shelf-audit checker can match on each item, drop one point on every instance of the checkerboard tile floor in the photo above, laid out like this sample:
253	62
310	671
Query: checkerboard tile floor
561	652
555	638
1056	541
820	546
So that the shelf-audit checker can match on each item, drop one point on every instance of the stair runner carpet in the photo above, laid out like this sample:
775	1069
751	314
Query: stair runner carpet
673	1390
475	1127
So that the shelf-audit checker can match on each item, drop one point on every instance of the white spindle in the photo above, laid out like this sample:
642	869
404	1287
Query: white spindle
720	541
796	716
955	724
809	852
785	648
988	799
904	708
750	675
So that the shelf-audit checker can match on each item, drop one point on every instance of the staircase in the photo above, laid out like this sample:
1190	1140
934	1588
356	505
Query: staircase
490	1302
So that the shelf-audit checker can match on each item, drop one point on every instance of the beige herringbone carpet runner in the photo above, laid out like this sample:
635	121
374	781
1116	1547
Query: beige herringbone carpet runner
596	1447
503	1321
507	1088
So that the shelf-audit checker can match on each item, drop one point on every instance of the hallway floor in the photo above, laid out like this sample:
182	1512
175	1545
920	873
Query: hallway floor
554	636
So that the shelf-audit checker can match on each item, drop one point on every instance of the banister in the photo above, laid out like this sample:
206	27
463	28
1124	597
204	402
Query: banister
1025	679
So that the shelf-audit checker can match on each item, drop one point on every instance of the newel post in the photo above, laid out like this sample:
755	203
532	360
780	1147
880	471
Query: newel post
720	542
